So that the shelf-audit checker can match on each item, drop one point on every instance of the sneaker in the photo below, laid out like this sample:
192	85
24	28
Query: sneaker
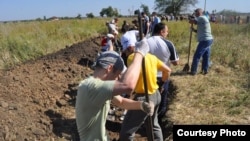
205	73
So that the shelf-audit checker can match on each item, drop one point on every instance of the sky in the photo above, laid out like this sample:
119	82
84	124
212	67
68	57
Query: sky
11	10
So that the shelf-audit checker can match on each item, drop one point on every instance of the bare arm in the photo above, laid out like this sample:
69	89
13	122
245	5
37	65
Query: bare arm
111	47
129	79
126	103
166	71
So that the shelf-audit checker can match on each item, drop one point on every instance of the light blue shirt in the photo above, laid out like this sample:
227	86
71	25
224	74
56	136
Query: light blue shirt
204	32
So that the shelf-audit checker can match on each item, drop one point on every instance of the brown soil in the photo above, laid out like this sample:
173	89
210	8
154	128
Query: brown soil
37	98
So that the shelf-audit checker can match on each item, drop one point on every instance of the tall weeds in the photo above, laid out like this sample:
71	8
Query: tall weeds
24	41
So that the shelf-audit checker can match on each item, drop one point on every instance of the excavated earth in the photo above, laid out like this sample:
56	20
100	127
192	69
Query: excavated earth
37	98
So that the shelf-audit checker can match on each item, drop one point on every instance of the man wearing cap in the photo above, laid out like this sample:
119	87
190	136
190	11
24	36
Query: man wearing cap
205	41
128	40
95	93
134	119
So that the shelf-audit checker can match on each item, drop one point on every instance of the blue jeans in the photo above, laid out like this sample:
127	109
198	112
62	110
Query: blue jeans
202	50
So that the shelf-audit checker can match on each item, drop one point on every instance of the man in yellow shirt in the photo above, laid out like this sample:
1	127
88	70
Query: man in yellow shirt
135	118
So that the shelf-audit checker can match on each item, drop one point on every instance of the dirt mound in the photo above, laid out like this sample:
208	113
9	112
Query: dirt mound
37	98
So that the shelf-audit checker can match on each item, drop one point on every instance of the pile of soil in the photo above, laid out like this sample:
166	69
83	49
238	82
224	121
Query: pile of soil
37	98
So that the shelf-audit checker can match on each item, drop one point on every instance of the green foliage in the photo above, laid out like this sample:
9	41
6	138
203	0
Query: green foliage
145	9
230	48
79	16
174	6
228	12
20	42
90	15
109	12
219	97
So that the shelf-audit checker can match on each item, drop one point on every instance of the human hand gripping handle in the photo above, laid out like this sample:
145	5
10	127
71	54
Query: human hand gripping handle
142	47
148	107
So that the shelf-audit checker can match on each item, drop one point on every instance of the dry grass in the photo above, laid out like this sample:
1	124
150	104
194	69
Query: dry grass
220	97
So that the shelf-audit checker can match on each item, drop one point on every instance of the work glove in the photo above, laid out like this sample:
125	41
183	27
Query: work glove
142	47
109	42
148	107
110	36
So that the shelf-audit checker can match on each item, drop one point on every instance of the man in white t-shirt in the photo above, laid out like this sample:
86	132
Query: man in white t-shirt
128	40
166	52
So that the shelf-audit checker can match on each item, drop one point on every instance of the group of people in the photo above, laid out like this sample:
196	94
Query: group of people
116	74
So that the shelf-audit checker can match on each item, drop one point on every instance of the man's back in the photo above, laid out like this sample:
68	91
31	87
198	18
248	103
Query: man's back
163	49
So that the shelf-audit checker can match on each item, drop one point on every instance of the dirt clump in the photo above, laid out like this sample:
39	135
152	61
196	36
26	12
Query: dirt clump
37	98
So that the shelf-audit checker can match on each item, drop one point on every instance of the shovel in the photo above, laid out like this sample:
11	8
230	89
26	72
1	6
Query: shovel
187	67
149	119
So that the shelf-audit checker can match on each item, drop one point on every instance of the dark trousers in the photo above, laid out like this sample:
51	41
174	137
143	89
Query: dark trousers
163	88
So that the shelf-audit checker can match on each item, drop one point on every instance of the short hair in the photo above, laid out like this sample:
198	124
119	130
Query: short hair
154	13
198	10
158	27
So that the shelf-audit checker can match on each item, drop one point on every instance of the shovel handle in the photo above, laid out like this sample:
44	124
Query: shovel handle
190	40
149	119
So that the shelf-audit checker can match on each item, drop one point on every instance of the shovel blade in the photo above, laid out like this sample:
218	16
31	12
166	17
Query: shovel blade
186	68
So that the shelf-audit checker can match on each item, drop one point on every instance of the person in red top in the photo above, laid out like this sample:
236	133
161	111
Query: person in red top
107	43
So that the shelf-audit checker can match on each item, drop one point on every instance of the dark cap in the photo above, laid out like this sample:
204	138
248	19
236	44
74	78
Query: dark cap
110	58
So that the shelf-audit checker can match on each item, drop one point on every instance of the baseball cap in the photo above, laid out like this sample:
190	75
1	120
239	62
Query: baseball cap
110	35
110	58
128	43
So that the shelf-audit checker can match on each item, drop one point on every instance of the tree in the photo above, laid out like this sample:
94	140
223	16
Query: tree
145	9
79	16
109	12
90	15
174	6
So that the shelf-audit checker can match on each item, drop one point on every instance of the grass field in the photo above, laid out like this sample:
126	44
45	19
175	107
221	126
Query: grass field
221	97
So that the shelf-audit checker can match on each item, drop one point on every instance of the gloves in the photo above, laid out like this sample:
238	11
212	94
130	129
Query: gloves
109	42
142	47
148	107
110	36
